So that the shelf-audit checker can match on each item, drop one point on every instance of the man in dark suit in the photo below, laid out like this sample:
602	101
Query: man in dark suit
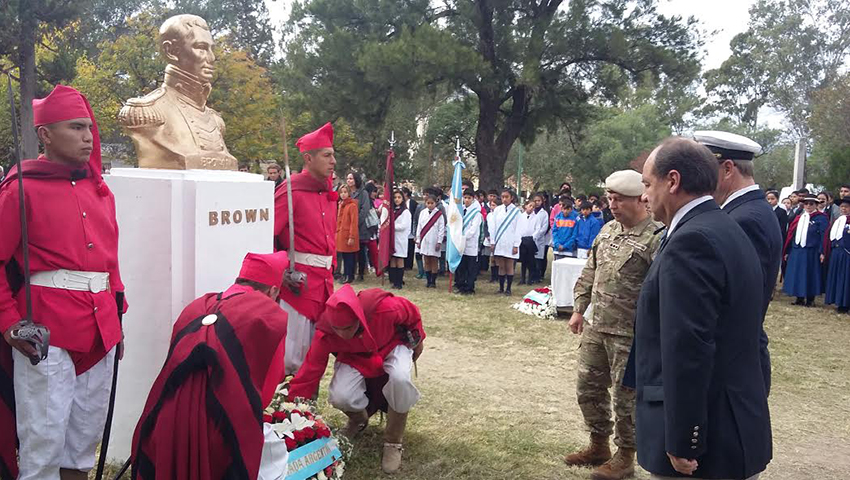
701	402
740	197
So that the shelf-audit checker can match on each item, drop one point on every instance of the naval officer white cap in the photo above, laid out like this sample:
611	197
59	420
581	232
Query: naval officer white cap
728	146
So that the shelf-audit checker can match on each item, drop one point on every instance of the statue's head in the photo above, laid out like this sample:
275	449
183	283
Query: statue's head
187	43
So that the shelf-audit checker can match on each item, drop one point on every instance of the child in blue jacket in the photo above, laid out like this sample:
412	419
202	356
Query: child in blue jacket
564	230
587	228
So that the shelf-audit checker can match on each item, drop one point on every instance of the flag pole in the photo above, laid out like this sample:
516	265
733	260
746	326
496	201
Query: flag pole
457	159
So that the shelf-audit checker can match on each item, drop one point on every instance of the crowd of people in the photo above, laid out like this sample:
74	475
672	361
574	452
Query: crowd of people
501	230
815	254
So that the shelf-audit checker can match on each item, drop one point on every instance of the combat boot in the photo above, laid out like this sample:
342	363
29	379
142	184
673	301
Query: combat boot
621	465
357	422
597	453
391	458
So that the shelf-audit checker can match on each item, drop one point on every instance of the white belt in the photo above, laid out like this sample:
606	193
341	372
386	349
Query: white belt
313	260
94	282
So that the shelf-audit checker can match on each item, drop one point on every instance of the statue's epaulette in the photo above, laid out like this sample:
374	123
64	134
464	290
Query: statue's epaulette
218	120
142	111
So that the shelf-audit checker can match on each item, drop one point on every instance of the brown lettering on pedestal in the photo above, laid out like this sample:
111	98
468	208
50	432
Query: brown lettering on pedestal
237	216
225	217
264	215
213	218
251	215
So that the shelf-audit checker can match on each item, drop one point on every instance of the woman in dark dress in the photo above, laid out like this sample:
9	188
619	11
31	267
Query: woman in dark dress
803	250
838	242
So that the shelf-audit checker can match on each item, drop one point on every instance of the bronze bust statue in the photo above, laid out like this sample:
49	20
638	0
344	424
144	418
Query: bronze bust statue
172	127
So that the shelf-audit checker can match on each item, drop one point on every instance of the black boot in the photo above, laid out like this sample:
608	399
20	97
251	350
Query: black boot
799	301
400	277
493	275
842	309
433	280
501	284
810	301
510	282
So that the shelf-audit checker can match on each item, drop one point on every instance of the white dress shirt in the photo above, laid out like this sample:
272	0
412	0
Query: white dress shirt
684	211
743	191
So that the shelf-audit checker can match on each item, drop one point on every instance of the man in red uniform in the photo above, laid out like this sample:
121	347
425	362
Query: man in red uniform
314	205
204	415
60	403
372	333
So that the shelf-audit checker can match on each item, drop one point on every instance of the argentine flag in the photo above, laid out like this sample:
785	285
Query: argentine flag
454	215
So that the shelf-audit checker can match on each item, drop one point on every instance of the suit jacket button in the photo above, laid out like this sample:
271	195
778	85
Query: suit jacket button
694	440
693	447
696	428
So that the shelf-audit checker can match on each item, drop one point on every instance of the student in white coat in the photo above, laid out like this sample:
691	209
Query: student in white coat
429	236
467	271
541	236
527	246
402	226
504	238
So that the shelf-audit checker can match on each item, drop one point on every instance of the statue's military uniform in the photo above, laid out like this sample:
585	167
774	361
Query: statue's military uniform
173	128
611	281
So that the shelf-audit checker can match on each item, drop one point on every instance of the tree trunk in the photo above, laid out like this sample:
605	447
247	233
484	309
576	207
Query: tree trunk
26	64
491	163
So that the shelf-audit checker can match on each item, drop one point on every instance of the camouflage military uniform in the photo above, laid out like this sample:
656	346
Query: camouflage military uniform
611	280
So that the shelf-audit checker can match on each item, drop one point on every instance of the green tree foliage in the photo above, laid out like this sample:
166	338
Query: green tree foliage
791	49
530	64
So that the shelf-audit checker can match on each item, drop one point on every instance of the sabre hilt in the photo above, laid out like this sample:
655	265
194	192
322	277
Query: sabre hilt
294	277
36	335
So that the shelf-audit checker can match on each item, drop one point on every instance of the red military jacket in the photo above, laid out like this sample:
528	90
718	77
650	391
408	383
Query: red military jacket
71	225
383	314
314	207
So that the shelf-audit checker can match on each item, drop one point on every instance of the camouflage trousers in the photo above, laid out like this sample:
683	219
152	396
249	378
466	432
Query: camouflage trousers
602	362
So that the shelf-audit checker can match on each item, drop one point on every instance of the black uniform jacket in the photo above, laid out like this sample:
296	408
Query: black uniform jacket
782	218
754	215
700	391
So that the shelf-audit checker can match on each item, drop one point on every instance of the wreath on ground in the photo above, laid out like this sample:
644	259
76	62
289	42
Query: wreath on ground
539	302
315	453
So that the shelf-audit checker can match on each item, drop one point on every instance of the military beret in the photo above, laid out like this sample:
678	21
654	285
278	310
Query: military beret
625	182
728	146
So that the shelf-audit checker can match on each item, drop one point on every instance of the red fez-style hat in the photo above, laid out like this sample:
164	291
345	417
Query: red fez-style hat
265	268
66	103
343	309
321	138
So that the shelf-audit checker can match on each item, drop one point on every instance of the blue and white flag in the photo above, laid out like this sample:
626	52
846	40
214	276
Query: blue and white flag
454	216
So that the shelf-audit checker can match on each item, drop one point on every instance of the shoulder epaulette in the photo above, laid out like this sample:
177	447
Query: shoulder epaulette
142	111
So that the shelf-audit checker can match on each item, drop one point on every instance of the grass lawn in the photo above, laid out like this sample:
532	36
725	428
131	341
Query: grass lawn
498	393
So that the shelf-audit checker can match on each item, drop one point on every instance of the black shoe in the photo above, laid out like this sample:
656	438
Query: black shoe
522	282
842	309
809	304
799	301
360	277
508	292
348	280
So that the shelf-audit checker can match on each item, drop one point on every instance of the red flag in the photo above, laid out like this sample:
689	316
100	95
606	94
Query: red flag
386	241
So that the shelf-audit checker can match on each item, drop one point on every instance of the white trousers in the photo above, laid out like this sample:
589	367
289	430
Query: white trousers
347	390
60	415
275	458
299	336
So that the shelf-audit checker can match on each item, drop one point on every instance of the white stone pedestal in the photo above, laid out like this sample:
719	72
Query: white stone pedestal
183	233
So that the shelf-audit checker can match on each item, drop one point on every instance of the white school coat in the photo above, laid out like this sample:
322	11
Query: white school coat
429	245
473	232
541	227
510	239
402	229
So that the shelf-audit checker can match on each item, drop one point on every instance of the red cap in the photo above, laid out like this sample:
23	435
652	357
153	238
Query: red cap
343	309
321	138
66	103
265	268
